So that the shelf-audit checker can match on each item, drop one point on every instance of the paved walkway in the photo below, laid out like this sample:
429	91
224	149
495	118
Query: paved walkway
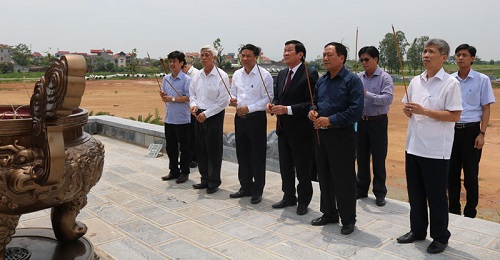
132	214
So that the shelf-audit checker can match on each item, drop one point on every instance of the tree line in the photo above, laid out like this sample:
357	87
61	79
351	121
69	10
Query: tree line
21	54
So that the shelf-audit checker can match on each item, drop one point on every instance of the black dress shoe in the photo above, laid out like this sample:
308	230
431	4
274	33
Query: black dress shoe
302	209
409	237
200	186
193	164
283	203
361	195
211	190
170	176
182	178
347	229
256	199
323	220
380	201
436	247
240	194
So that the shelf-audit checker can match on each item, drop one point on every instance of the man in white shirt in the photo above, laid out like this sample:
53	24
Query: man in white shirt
251	91
208	98
470	131
433	105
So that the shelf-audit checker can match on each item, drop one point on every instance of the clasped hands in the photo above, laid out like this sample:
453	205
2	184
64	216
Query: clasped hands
318	122
165	97
240	111
276	109
201	117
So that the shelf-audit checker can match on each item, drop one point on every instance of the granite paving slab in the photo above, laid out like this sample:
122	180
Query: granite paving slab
132	214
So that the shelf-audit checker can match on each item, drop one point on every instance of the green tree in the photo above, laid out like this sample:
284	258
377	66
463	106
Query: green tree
414	55
388	53
44	61
218	46
451	59
492	62
6	67
134	62
316	63
21	54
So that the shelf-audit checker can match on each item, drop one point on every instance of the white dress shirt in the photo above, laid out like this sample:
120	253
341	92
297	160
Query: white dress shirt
428	137
208	91
249	90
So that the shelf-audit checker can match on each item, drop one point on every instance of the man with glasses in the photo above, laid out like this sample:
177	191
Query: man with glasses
372	129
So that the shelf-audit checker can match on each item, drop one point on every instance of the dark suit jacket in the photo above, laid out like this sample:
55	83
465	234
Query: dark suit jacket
298	97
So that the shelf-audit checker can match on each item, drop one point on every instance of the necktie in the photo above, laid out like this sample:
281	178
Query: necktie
288	80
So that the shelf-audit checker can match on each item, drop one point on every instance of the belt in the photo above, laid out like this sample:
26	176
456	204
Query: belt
332	127
465	125
250	115
369	118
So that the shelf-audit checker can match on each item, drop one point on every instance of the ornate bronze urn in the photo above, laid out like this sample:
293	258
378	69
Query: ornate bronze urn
46	159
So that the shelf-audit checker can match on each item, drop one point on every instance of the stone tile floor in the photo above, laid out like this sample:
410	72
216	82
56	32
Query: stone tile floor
132	214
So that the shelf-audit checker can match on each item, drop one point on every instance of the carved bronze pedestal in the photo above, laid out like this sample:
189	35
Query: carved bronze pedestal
46	160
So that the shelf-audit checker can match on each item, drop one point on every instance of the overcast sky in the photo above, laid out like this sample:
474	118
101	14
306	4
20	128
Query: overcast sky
161	26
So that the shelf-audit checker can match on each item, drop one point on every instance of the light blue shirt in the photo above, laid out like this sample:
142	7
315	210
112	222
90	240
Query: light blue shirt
177	113
476	92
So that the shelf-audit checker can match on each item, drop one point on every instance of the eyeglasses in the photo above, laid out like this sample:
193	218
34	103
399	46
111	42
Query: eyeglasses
365	60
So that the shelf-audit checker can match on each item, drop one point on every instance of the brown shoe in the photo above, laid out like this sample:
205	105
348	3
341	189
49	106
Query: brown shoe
182	178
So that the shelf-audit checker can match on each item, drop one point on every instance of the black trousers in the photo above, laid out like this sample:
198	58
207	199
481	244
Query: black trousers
192	140
336	173
296	157
464	156
176	138
251	144
372	144
209	148
427	180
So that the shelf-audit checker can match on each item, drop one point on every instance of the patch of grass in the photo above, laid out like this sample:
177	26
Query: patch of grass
21	75
100	113
156	119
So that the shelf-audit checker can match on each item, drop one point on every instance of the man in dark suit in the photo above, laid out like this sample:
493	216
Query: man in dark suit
291	104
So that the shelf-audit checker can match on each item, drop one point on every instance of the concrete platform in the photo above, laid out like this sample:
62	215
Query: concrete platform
132	214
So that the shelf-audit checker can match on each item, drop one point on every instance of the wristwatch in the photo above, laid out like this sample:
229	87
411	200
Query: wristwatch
173	99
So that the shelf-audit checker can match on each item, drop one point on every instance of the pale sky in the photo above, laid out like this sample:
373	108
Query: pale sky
161	26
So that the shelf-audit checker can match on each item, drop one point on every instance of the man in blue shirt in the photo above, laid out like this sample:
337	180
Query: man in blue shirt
175	94
470	131
338	97
372	129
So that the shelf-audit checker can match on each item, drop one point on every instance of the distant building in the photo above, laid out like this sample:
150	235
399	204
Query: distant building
120	59
191	57
5	53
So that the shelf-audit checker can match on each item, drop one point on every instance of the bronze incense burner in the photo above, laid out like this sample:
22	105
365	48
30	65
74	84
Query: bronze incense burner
46	159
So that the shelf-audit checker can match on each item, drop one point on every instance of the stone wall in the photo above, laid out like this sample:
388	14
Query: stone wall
144	134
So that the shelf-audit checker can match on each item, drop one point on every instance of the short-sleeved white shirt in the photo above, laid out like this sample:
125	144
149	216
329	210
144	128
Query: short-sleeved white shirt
428	137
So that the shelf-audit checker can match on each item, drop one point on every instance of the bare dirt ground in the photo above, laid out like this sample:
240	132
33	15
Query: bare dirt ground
126	98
